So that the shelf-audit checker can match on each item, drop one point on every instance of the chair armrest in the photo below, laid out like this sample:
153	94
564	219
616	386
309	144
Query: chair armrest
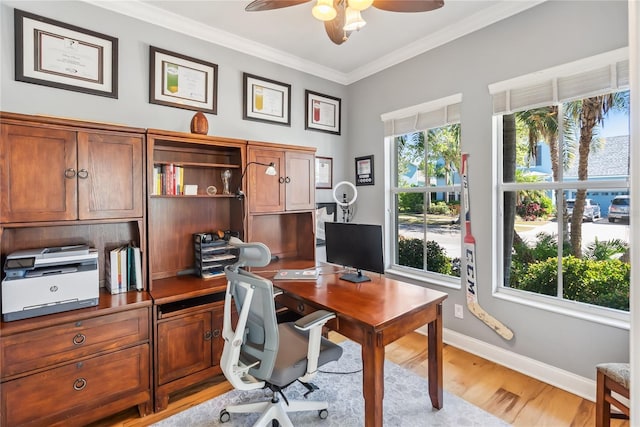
312	320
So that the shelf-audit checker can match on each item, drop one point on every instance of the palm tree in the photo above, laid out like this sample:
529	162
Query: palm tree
509	175
589	113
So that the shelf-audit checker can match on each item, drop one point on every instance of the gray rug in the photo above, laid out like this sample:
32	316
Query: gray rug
406	401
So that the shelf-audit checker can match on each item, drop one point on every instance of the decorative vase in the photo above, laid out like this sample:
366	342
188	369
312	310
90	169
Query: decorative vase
199	124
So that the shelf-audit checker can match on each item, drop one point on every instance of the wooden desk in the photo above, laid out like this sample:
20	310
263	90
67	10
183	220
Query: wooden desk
374	314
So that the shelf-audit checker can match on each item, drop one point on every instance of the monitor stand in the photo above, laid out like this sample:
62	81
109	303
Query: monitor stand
355	277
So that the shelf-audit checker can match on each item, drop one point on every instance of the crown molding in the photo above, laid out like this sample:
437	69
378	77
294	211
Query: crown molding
154	15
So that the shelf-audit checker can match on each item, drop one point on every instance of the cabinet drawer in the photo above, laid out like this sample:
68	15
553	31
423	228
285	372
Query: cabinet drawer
60	343
49	396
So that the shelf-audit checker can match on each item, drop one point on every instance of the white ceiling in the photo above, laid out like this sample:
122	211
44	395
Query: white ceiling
292	37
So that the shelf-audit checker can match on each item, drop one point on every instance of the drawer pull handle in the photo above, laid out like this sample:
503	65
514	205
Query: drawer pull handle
70	173
207	336
79	384
83	173
79	339
216	333
301	308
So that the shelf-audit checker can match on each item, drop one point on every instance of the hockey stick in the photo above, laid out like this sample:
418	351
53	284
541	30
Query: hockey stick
470	257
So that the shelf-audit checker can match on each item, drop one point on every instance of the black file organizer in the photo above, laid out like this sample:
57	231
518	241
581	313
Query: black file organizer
212	253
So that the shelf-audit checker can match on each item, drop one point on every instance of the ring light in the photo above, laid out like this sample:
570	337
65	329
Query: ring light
355	194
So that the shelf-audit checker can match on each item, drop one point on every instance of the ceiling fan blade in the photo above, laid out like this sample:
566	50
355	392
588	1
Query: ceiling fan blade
259	5
408	5
334	27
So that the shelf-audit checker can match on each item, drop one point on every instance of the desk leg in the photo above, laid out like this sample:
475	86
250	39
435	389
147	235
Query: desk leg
435	359
373	379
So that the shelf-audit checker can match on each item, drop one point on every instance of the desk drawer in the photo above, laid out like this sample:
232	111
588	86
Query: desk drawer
296	305
49	396
36	349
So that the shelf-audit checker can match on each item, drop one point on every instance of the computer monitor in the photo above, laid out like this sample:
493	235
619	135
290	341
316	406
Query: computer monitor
355	245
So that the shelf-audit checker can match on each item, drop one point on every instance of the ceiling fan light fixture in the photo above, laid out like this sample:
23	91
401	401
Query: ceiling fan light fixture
324	10
353	20
360	4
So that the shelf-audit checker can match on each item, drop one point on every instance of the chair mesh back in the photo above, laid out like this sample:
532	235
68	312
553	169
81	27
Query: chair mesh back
260	341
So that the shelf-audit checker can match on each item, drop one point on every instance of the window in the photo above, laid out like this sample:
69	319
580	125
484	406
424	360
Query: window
562	238
424	157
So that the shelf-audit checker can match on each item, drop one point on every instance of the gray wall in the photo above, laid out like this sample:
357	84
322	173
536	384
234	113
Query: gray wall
547	35
525	43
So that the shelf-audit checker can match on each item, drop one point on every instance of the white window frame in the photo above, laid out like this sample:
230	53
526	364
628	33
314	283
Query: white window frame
532	86
418	118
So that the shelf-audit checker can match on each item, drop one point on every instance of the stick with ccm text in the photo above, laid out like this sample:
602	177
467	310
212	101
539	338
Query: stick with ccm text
470	257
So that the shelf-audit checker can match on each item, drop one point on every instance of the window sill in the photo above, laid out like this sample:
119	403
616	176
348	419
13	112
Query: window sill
424	278
603	316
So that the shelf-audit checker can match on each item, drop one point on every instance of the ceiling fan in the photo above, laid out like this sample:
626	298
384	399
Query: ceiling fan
342	17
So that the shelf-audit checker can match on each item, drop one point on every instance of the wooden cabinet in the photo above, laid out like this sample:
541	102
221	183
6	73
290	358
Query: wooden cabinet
189	344
282	207
293	188
58	171
65	182
188	308
79	366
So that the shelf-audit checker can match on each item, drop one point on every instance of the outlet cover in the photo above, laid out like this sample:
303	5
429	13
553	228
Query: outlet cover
457	311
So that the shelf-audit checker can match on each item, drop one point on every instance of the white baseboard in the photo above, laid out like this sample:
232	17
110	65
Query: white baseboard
565	380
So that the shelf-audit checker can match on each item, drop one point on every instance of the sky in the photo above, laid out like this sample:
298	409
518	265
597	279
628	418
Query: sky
615	124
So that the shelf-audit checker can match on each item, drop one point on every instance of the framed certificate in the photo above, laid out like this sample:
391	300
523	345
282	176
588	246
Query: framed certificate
266	100
322	112
324	172
181	81
64	56
364	171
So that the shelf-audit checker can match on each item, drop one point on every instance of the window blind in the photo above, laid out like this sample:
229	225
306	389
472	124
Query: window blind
433	114
597	75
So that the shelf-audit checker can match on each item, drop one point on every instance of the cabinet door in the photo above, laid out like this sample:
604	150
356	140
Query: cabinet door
110	181
300	181
37	174
184	346
266	193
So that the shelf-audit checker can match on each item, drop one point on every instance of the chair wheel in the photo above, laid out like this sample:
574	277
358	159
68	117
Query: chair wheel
323	414
225	417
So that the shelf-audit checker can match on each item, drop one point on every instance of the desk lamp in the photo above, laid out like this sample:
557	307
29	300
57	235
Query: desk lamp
271	171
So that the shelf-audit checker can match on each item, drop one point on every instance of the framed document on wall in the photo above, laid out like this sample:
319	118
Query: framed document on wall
266	100
364	171
322	112
52	53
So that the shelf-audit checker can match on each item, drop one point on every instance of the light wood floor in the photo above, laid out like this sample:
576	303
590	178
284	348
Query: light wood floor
517	399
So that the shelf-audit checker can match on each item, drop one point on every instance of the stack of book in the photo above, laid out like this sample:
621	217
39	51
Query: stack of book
168	180
123	269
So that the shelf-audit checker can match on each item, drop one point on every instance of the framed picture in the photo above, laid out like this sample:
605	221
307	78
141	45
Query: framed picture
324	172
266	100
183	82
52	53
322	112
364	170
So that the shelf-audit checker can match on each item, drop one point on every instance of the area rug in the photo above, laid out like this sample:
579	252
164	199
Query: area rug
406	401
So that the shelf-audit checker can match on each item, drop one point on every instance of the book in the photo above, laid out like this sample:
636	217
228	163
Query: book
111	271
122	269
135	269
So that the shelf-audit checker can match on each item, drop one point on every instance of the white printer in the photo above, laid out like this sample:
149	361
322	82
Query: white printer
49	280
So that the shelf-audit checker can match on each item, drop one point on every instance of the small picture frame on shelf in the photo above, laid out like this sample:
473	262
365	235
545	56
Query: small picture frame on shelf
322	112
180	81
364	170
324	172
266	100
55	54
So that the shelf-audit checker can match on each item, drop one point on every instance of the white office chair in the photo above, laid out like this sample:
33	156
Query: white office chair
260	353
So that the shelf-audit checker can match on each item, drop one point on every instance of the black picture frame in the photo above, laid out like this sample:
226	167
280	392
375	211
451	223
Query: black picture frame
322	112
364	170
64	56
200	92
266	100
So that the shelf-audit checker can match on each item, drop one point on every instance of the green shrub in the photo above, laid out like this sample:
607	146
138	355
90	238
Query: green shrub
411	254
439	208
411	202
600	282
